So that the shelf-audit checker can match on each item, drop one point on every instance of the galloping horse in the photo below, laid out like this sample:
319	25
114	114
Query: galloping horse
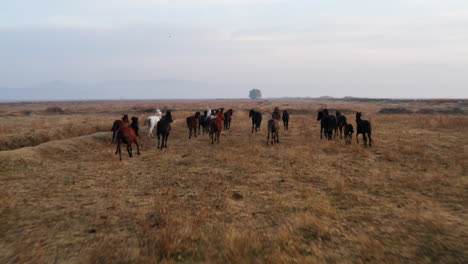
273	130
227	119
256	120
276	114
216	126
341	122
192	124
118	124
363	127
134	125
286	119
128	136
151	121
163	128
327	124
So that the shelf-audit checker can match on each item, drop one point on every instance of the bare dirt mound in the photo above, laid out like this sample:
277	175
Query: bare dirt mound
55	148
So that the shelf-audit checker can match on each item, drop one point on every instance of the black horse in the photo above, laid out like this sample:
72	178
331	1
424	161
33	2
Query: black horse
134	125
348	133
363	127
256	120
327	124
341	122
286	120
227	119
163	128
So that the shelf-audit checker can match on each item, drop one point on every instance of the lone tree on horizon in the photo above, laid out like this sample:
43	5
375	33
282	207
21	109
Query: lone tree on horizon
255	94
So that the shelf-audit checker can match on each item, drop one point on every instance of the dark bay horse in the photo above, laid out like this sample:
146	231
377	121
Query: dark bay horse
118	124
256	120
216	126
348	133
327	124
286	119
193	123
273	130
276	114
127	135
341	122
163	128
363	127
227	119
134	125
201	123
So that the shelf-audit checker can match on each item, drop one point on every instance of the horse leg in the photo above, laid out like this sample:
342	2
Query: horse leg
268	137
218	135
277	136
158	142
211	137
321	131
252	127
138	147
119	150
113	136
167	136
364	139
129	150
357	138
370	139
150	132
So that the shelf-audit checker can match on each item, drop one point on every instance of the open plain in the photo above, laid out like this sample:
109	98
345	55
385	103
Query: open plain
66	198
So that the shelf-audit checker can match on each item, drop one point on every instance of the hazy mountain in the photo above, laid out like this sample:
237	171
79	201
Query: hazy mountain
117	89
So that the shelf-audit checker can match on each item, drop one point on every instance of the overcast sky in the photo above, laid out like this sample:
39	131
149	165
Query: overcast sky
369	48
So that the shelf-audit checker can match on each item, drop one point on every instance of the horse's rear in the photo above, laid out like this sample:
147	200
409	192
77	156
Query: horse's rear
286	120
163	128
256	120
216	126
273	130
192	124
127	135
363	127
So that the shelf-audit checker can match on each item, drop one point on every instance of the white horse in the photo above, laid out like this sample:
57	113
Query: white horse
151	121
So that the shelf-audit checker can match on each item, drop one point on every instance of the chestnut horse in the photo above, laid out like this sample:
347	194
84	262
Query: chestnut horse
118	124
163	128
216	126
128	136
193	123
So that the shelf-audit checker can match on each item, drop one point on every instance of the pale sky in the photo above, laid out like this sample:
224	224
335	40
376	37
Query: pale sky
365	48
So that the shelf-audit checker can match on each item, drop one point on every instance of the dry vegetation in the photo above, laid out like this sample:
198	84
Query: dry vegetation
70	200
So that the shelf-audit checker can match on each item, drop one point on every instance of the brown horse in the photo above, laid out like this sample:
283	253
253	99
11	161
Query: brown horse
118	124
128	136
216	126
273	130
193	123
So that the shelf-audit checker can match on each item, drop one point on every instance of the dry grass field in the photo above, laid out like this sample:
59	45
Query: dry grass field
66	198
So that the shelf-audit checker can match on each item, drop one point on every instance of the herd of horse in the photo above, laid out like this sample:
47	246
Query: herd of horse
212	122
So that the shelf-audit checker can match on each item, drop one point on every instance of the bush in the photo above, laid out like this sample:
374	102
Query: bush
54	109
398	110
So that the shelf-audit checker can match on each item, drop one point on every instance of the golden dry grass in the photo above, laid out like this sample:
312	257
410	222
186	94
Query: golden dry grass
302	201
